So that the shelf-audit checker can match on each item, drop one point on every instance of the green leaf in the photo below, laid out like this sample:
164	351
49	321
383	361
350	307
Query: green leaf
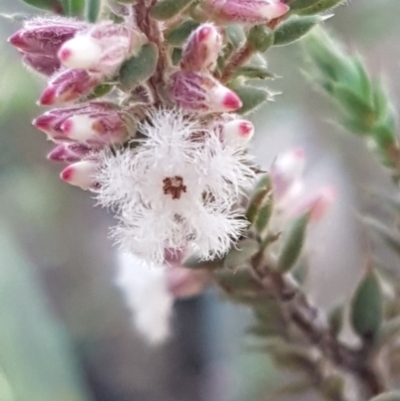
264	213
74	8
261	190
176	55
239	281
253	72
354	104
294	29
177	36
389	396
311	7
55	6
193	262
92	10
251	97
139	68
166	9
100	91
367	307
293	243
260	38
241	254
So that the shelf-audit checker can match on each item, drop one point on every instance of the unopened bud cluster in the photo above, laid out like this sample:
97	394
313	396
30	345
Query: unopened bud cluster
160	141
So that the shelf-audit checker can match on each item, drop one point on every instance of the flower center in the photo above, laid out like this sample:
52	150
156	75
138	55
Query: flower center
174	186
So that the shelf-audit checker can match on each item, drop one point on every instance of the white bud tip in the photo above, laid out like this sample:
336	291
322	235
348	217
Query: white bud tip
223	99
238	132
79	128
81	52
80	174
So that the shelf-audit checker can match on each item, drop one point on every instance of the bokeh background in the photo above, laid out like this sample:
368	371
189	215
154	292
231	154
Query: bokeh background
65	331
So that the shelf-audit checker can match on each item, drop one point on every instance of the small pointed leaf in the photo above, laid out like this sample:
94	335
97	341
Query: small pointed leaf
166	9
367	307
311	7
139	68
178	35
294	29
241	254
293	243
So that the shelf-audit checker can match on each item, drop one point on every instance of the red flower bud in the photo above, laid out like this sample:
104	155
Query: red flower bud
67	86
69	153
94	123
202	92
202	49
250	12
101	49
42	64
80	174
45	36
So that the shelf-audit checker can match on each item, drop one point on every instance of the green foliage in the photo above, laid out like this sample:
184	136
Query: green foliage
293	243
260	38
34	348
92	10
177	36
251	97
166	9
74	8
364	106
294	29
311	7
56	6
260	193
139	68
367	307
241	254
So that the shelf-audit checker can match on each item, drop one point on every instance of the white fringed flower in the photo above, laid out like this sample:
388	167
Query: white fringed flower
146	293
178	189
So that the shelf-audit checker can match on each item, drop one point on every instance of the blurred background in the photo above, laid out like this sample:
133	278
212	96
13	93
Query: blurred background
66	333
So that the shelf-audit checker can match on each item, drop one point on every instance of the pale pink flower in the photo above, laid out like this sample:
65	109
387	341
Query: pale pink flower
180	188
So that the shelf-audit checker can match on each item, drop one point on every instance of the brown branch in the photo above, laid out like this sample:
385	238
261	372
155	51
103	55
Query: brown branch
307	319
238	58
151	28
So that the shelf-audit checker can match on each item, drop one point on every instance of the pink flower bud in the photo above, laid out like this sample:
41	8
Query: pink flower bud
67	86
202	92
69	153
80	174
237	133
186	283
286	173
319	204
106	127
250	12
202	49
94	123
45	36
42	64
102	49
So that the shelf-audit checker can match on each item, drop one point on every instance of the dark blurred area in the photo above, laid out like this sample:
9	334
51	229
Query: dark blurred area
65	331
